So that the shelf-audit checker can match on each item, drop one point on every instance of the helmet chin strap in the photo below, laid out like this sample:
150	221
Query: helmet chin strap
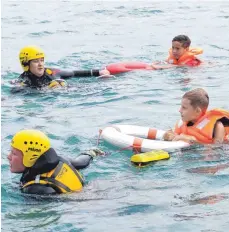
25	63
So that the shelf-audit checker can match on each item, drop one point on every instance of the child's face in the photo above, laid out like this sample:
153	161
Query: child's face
188	112
177	49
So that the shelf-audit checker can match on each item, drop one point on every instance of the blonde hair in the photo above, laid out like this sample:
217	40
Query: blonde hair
198	98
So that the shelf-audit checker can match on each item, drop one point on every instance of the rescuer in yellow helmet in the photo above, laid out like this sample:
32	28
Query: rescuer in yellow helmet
43	171
35	74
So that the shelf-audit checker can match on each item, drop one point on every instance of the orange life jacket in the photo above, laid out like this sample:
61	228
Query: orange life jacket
186	58
203	129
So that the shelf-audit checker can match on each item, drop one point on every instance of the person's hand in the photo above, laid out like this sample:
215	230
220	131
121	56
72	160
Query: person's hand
178	138
104	72
95	152
13	82
169	135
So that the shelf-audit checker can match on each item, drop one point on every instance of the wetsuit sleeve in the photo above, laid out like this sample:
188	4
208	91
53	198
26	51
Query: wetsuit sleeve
79	73
38	189
82	161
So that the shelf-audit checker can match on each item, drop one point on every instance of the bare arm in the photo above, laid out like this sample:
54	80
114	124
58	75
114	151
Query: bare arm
219	133
186	138
160	67
170	135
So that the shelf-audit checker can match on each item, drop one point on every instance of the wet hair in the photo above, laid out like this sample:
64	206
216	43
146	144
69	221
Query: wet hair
183	39
198	98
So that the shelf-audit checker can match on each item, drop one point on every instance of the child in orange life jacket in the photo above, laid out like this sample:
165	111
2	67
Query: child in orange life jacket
196	124
181	53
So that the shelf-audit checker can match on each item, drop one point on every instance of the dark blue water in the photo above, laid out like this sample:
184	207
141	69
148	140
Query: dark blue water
180	194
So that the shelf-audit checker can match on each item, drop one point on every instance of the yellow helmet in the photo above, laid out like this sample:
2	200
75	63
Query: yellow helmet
29	53
32	143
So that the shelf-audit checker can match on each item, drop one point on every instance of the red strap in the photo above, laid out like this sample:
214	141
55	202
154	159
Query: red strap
137	144
100	132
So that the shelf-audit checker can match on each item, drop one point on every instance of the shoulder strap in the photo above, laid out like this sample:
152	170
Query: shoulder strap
73	169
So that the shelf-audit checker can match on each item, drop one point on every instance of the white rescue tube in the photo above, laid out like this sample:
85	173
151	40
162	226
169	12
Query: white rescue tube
137	138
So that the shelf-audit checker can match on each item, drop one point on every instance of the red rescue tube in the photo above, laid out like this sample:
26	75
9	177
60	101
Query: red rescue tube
117	68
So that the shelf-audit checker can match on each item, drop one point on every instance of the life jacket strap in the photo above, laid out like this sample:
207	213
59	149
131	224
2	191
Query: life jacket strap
73	169
56	183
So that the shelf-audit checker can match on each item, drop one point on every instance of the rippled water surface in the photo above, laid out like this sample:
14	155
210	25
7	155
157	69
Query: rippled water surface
184	193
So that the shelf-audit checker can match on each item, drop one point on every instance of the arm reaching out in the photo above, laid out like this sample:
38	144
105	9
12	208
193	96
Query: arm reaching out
160	67
186	138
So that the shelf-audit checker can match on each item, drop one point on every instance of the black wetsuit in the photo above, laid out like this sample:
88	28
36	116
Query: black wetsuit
28	79
45	164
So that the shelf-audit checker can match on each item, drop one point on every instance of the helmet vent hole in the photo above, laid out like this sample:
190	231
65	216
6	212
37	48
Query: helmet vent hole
36	143
41	145
31	142
25	142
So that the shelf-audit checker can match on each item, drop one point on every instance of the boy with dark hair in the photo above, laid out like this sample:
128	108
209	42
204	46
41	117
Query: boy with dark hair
181	53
